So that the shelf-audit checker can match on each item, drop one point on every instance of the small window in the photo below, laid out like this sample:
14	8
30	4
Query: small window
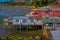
46	11
17	20
24	21
32	13
10	22
32	20
37	20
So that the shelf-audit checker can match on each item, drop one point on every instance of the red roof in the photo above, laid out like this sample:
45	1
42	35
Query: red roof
50	14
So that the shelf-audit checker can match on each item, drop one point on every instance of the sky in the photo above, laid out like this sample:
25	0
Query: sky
4	0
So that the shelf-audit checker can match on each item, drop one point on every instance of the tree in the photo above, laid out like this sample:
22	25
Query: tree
39	3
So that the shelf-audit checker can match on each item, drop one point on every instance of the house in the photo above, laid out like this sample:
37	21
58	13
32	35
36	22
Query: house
51	17
22	21
57	0
45	12
36	20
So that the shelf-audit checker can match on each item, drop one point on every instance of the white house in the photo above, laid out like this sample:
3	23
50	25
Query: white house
23	21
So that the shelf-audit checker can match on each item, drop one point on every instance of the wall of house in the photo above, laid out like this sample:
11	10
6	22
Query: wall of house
23	21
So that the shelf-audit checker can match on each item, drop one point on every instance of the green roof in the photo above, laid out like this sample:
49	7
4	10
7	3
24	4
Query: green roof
44	20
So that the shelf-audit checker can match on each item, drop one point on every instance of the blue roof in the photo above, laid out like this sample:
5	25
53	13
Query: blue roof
14	11
6	0
11	15
7	12
56	34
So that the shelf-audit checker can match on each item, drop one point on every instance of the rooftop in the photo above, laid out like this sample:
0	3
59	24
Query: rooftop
58	0
56	34
15	11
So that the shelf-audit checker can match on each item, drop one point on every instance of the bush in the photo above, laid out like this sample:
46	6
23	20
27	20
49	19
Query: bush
1	21
30	38
37	38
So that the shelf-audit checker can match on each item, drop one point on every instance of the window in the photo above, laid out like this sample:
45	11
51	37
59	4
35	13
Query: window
10	22
24	21
32	13
37	20
17	20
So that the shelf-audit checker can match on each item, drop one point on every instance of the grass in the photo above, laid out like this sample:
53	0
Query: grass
31	7
25	35
1	21
1	4
33	32
19	38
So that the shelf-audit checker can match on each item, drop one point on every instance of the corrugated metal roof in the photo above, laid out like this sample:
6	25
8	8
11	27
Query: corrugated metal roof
58	0
56	9
14	11
56	34
51	20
